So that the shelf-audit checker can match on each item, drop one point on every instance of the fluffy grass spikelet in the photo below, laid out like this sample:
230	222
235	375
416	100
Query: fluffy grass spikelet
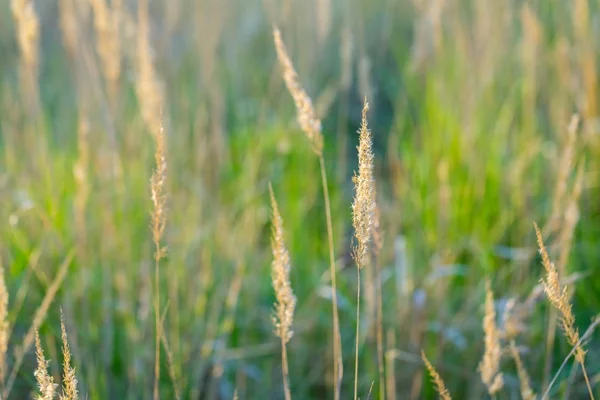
559	298
280	274
489	367
363	206
437	380
307	117
46	384
69	377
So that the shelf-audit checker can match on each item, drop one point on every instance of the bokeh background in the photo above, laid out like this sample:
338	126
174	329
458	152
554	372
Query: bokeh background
471	103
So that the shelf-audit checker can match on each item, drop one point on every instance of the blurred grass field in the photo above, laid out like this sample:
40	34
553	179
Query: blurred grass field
471	103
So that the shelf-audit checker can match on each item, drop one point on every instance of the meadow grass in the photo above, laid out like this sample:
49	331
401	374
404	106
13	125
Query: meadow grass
482	118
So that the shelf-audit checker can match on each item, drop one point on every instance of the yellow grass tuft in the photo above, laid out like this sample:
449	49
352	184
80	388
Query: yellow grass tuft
489	367
440	386
307	117
69	377
46	384
526	392
285	299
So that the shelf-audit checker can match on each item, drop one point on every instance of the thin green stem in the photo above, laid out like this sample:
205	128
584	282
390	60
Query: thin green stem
157	321
338	369
587	381
285	371
357	331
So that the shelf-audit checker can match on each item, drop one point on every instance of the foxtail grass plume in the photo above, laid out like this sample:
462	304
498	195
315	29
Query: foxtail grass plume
363	206
280	274
489	367
69	377
307	117
440	386
559	298
526	392
46	384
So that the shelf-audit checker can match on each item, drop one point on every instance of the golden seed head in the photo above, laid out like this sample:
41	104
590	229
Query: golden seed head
280	274
46	384
69	377
489	367
363	206
307	117
440	386
559	298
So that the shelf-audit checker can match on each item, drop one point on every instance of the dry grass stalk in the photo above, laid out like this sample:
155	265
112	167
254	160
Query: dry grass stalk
108	43
559	298
489	367
149	88
69	377
4	327
159	222
363	208
311	125
285	299
307	117
526	392
45	381
440	386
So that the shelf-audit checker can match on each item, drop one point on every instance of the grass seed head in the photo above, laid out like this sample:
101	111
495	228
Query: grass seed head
307	117
363	206
440	386
280	273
